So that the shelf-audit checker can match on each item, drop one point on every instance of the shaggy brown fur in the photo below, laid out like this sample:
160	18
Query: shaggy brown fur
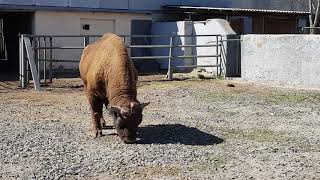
110	77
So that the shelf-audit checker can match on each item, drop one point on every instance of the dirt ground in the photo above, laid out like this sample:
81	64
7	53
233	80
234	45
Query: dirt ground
192	129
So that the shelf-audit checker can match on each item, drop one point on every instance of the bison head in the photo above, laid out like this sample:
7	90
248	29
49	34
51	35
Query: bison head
127	120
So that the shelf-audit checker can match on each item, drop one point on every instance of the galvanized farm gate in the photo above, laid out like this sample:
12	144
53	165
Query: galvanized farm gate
36	54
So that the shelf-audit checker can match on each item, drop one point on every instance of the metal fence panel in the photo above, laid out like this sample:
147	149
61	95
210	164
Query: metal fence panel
42	48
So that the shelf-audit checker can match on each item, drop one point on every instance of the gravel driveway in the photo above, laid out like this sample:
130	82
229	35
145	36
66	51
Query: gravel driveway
193	129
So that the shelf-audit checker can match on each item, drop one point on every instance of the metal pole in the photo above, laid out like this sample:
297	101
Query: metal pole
22	77
25	68
45	62
28	64
37	55
170	73
217	51
85	41
220	55
27	72
20	67
50	61
32	63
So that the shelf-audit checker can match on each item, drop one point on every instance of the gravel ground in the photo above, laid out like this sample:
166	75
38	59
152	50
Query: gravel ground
193	129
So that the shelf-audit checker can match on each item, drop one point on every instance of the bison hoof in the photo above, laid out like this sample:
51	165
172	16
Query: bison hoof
129	141
103	125
98	134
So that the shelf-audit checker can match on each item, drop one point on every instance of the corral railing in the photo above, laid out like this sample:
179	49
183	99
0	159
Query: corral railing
308	30
37	53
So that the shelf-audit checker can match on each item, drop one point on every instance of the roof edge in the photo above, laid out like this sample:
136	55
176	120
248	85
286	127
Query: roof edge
72	9
237	10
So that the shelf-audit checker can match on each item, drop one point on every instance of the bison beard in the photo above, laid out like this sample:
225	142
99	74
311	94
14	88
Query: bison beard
110	79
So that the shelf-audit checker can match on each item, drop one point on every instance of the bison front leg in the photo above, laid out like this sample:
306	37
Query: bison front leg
96	115
103	123
113	115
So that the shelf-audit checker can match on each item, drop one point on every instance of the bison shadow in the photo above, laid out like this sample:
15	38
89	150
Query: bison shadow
174	134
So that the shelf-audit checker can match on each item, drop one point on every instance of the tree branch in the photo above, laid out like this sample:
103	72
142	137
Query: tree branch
316	19
311	13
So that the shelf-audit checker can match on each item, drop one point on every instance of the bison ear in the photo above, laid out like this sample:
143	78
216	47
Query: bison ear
143	105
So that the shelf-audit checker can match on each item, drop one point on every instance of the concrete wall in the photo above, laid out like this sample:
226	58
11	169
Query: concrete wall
286	59
70	23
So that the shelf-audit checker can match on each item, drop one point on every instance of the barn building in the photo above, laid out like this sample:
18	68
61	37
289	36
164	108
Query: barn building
88	17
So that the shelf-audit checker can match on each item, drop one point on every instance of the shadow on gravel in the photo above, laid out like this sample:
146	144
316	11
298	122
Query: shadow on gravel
174	134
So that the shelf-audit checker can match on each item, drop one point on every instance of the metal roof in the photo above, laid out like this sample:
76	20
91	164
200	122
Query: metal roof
13	8
217	9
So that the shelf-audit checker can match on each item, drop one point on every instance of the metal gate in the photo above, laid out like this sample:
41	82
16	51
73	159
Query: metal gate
37	54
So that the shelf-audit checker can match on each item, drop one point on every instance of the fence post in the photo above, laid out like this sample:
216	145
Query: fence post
45	60
170	69
217	53
27	66
20	63
50	60
85	41
37	55
22	70
32	64
222	68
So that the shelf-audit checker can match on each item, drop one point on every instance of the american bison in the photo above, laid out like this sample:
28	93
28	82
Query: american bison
110	78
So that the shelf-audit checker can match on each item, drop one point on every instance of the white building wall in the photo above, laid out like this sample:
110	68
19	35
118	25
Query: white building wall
70	23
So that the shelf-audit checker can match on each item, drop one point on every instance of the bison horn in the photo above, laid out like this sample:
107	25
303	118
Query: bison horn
143	105
134	105
119	110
